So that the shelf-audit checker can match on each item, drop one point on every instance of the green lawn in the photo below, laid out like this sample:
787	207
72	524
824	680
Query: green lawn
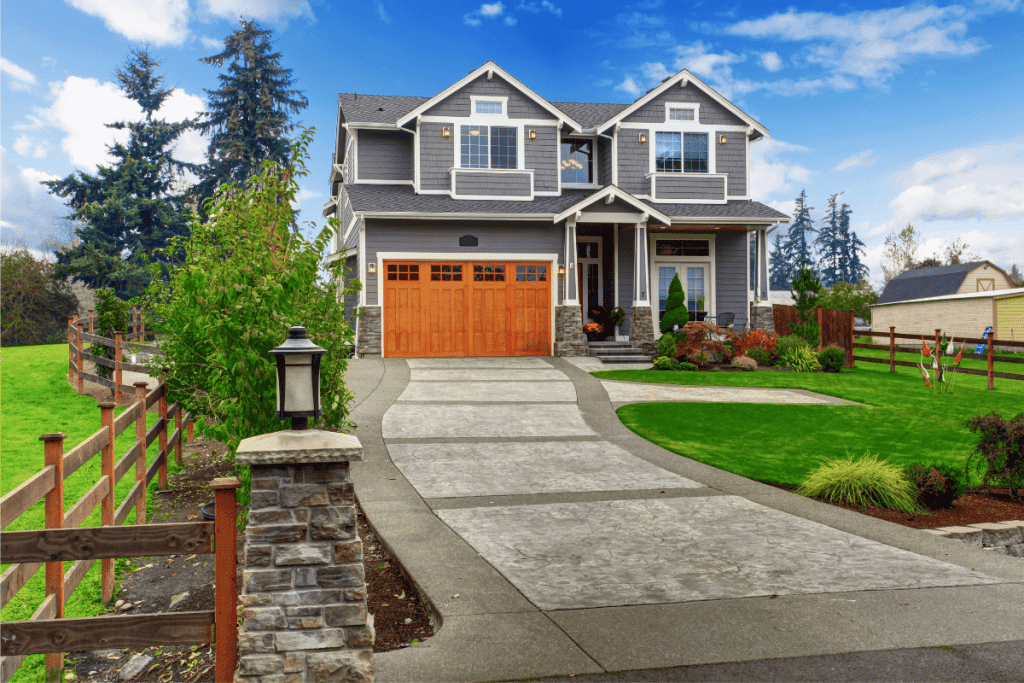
37	399
903	421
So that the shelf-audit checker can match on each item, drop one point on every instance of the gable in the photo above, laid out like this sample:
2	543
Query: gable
711	112
457	104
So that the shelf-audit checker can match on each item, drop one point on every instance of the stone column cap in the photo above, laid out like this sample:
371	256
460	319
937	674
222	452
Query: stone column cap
297	447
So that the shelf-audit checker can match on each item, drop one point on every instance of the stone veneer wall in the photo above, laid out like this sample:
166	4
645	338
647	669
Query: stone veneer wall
304	592
762	318
1005	538
641	327
569	337
369	332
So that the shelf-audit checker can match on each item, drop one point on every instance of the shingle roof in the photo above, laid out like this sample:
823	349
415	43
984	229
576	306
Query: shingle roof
590	114
359	108
926	282
402	198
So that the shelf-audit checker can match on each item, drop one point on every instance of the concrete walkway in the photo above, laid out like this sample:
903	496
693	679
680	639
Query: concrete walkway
551	540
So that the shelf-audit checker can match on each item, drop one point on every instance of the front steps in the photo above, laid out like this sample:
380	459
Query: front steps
617	352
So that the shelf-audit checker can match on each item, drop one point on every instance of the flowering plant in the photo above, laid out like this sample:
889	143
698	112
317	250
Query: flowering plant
755	339
593	327
617	315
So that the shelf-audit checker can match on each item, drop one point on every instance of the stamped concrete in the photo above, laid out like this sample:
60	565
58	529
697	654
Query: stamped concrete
461	363
407	420
506	469
486	375
489	392
622	393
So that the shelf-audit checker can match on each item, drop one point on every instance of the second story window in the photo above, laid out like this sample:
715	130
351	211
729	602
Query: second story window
577	161
489	147
488	107
681	152
680	114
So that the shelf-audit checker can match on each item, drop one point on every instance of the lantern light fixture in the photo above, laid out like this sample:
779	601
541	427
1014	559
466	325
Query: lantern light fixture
371	268
298	378
643	138
724	139
561	270
533	135
446	132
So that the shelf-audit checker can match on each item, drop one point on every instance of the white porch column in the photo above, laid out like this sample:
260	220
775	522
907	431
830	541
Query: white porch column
571	296
762	263
641	266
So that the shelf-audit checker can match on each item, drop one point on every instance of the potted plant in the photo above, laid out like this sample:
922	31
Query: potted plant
617	316
593	330
699	314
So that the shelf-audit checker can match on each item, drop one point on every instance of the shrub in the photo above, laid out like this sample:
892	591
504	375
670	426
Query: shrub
788	343
862	482
938	486
111	314
666	363
846	297
703	342
832	359
667	345
801	359
675	307
806	295
755	339
744	362
760	356
689	367
999	455
35	306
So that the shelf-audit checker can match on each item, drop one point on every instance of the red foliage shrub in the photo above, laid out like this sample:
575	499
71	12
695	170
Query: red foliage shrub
755	338
699	347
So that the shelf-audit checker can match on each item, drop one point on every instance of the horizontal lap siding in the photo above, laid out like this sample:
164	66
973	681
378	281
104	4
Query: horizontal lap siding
731	275
468	183
519	105
385	155
352	266
437	156
634	162
731	158
604	161
690	187
626	242
542	156
443	237
711	112
963	318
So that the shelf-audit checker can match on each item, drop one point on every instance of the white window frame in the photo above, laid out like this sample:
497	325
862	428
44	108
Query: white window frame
682	150
593	164
710	303
669	106
502	99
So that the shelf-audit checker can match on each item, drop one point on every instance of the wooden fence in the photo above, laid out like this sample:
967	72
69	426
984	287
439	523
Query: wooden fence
121	341
836	327
893	349
49	483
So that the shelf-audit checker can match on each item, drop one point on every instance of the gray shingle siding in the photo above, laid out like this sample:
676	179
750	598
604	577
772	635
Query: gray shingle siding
542	156
731	158
519	106
634	161
352	241
346	214
690	186
470	183
437	156
604	161
731	275
385	155
627	239
351	265
711	112
443	237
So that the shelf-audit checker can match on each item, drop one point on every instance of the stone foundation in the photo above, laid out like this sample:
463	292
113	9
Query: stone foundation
761	318
1005	538
304	593
569	337
369	326
641	328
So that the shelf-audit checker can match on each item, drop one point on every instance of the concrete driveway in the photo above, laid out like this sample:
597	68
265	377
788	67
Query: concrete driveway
553	541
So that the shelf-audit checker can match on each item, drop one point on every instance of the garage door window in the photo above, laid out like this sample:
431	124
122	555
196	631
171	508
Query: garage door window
532	273
489	273
446	273
403	271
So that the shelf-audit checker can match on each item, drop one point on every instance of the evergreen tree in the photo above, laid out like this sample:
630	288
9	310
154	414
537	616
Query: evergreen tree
127	211
853	270
780	273
830	246
796	248
248	116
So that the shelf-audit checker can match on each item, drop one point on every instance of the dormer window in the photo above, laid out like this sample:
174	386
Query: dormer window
681	152
489	106
489	147
680	114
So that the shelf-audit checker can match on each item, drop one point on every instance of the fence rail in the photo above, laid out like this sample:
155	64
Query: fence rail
131	340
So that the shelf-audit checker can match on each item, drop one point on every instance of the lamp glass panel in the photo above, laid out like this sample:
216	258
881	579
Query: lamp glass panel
298	383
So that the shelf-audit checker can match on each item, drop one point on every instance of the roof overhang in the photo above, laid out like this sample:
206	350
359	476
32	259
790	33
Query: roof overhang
490	68
329	208
682	79
610	194
422	215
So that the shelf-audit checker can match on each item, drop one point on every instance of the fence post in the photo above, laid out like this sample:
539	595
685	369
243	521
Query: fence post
892	349
191	423
81	362
226	595
821	332
938	340
91	321
53	453
140	464
142	325
71	349
135	324
107	512
118	398
991	343
178	423
162	407
849	347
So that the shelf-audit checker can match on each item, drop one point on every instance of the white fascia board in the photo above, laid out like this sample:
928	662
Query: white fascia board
689	78
460	216
751	223
352	125
336	173
618	194
472	76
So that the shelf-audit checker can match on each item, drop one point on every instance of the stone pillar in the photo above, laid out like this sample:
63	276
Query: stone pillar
304	591
762	318
641	327
569	337
368	344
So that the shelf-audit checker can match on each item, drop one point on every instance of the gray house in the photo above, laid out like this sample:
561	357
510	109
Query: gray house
488	221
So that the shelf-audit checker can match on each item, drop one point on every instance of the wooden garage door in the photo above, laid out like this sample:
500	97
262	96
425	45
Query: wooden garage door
443	308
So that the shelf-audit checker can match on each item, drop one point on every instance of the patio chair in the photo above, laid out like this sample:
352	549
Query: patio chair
725	319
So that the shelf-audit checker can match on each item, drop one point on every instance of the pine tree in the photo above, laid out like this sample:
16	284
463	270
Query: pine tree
129	210
797	251
779	271
248	116
853	270
830	246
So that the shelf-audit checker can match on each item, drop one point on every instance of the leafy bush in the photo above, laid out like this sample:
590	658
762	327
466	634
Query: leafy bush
667	345
832	359
755	339
806	295
846	297
704	342
788	343
666	363
938	486
744	362
760	356
675	307
35	306
801	358
862	482
689	367
999	455
112	314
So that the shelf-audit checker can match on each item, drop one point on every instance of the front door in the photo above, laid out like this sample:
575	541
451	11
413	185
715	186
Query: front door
694	281
588	258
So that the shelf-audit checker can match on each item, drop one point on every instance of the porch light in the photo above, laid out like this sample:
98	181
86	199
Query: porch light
561	270
298	378
533	135
643	138
446	132
724	139
371	268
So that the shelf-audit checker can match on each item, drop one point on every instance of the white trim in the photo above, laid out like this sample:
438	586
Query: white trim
680	77
988	294
609	217
669	106
615	157
615	261
496	122
361	275
413	215
501	99
355	125
416	158
641	296
710	301
653	177
366	181
484	118
619	194
337	173
652	143
746	266
581	264
593	164
354	157
490	67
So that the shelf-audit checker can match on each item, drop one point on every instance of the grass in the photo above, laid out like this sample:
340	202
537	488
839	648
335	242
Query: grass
902	420
864	482
38	399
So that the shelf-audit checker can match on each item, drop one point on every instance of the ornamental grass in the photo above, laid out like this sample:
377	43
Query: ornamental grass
862	482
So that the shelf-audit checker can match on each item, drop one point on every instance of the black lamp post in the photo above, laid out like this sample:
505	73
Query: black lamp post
298	378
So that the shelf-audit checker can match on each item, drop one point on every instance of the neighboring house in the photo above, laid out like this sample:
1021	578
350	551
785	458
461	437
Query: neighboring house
487	220
961	300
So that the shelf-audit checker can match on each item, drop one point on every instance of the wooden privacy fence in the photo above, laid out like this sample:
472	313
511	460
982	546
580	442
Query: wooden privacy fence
893	349
836	327
55	636
120	342
49	483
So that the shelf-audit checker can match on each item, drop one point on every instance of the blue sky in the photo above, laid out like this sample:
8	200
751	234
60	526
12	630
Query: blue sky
911	110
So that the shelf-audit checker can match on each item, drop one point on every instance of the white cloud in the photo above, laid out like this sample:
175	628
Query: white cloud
29	146
31	123
18	78
29	212
511	21
159	22
603	83
770	174
865	158
485	11
34	178
771	61
211	43
267	10
491	10
383	13
544	6
655	71
629	86
871	45
303	194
